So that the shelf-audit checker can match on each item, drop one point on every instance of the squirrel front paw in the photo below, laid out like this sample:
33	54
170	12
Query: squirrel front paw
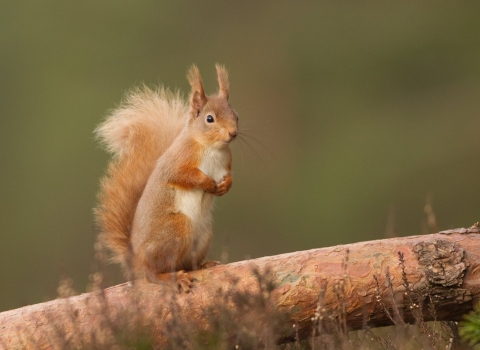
209	185
224	186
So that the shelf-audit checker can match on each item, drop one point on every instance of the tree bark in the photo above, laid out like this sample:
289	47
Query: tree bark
375	283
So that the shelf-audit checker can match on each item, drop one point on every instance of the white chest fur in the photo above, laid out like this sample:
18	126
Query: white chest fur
214	163
197	204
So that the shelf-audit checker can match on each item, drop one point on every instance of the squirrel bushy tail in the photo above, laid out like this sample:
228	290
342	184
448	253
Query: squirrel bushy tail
137	133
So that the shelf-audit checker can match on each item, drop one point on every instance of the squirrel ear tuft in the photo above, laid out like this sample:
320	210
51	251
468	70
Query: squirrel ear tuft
223	84
197	95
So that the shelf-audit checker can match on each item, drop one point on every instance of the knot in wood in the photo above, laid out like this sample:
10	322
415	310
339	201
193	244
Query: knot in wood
443	262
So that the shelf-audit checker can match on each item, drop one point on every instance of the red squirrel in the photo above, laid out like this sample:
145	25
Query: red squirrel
170	158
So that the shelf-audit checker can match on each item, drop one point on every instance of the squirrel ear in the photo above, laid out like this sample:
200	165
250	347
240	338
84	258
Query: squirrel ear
223	84
197	95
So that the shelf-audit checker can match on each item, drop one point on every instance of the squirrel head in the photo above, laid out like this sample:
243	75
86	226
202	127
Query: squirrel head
212	116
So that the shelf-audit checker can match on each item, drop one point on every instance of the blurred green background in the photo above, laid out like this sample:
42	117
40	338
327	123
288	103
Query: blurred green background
358	111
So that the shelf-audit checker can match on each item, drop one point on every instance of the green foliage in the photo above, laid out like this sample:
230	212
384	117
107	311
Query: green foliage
470	328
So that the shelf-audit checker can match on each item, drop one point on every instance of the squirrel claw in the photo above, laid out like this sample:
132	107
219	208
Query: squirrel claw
212	188
184	282
220	192
223	186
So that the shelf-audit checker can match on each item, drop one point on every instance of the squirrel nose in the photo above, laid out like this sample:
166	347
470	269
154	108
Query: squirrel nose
232	134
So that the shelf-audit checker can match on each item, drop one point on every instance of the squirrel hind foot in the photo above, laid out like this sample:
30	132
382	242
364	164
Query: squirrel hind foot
182	281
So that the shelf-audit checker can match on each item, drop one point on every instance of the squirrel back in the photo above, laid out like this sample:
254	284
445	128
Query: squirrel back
137	133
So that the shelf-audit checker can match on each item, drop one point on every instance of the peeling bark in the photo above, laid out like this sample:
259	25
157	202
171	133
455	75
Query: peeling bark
353	285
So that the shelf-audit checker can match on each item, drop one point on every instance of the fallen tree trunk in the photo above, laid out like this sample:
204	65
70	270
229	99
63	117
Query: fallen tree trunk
375	283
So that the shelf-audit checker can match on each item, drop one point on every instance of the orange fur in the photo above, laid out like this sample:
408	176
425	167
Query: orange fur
168	162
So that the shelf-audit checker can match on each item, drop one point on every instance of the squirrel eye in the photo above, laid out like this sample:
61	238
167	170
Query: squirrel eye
209	119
